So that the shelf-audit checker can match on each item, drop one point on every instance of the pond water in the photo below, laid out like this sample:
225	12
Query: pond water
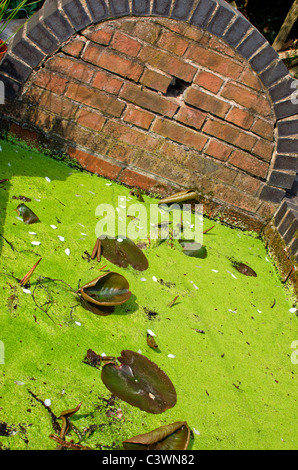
226	343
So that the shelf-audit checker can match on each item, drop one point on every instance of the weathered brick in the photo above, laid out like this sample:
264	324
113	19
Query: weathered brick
161	7
206	102
274	73
107	82
155	80
50	81
182	9
95	99
237	31
187	30
247	98
123	43
74	47
214	61
285	109
251	44
76	14
58	105
285	162
139	117
148	99
263	129
218	150
287	145
122	152
283	90
38	34
173	43
282	179
178	133
56	22
71	68
230	134
236	197
286	128
15	68
167	63
113	62
119	8
251	79
41	119
223	48
209	81
221	19
98	10
191	117
137	179
148	32
141	7
248	163
95	164
264	149
269	193
240	117
263	58
102	35
203	12
24	134
247	183
173	151
131	136
90	119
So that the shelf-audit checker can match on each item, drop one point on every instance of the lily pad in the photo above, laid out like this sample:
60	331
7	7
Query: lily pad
139	382
173	436
124	252
193	249
109	290
27	214
244	269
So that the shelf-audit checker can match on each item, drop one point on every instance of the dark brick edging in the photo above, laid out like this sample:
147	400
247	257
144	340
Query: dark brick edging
61	19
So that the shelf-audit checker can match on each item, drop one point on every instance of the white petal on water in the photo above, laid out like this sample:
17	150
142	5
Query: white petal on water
9	164
214	270
143	279
120	240
196	287
122	207
259	311
81	225
150	332
104	354
78	323
108	184
19	218
48	179
171	355
91	192
32	233
154	278
232	311
61	238
84	234
196	431
67	251
47	402
53	226
293	310
139	351
35	243
37	200
0	148
18	382
27	291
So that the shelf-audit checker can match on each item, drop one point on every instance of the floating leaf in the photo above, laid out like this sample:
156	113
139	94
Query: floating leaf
244	269
194	249
180	197
173	436
139	382
27	276
123	252
27	214
109	290
151	341
65	415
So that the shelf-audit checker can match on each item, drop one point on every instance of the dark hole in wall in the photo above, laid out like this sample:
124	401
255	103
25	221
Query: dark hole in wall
176	87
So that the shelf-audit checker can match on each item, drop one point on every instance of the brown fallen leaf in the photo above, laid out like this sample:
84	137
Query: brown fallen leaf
173	301
151	341
27	276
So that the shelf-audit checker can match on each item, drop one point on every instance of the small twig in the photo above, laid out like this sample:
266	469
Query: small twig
55	423
9	243
68	445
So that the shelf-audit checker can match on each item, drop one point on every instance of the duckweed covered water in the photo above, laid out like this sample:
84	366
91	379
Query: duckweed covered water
225	343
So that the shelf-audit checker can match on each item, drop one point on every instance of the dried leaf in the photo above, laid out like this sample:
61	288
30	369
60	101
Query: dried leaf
124	253
173	301
27	214
27	276
139	382
180	197
135	192
151	341
173	436
244	269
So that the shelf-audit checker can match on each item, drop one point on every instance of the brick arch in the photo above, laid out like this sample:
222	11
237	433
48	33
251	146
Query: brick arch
233	135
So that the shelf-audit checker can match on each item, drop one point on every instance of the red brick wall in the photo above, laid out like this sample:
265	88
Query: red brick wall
105	94
94	79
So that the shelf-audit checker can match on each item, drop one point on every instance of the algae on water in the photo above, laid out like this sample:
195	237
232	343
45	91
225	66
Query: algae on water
236	384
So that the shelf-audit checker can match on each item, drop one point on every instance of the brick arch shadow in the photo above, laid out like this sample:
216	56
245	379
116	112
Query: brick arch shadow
160	94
